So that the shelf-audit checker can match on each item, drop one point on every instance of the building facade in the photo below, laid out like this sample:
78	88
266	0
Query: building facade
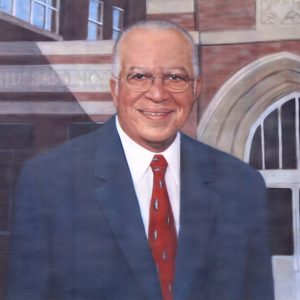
55	61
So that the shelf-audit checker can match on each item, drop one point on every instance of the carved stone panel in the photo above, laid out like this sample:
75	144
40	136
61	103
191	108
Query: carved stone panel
281	13
55	78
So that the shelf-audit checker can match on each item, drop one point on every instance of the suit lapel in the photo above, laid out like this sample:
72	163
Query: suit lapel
116	196
197	213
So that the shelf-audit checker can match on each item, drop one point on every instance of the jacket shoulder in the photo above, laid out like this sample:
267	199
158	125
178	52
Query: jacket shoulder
223	164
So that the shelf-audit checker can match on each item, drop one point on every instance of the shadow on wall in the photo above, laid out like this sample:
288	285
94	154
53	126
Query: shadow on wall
37	112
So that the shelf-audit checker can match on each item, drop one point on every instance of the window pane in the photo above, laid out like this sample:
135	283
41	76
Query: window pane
23	9
95	12
77	129
289	135
94	31
15	136
100	13
117	18
50	14
38	15
94	6
16	143
53	21
115	34
256	152
271	141
280	221
6	6
5	189
4	208
53	3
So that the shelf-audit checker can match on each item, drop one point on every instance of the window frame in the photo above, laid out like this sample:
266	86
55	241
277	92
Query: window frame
117	29
98	23
282	178
47	7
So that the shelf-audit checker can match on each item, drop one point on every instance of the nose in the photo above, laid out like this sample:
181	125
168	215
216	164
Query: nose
157	91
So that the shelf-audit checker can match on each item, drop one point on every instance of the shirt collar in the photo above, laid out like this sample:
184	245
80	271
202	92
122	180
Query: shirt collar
139	158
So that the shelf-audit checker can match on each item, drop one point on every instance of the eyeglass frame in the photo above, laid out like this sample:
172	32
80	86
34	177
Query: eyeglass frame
153	77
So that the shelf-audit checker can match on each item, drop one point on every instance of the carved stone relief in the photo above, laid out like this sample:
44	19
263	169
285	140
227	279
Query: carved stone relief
279	12
57	78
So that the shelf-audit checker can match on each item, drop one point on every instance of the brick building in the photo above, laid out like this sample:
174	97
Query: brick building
55	65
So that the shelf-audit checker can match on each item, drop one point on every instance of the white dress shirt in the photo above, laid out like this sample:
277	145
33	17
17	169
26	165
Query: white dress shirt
139	159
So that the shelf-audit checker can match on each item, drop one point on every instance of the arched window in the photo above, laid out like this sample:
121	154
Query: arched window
273	148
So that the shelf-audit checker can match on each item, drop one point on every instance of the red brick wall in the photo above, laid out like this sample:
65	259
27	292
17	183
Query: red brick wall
226	14
220	62
186	20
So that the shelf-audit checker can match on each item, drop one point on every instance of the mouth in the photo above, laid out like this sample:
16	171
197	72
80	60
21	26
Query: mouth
155	114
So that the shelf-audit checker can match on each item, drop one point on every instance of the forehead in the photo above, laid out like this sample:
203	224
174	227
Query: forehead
155	49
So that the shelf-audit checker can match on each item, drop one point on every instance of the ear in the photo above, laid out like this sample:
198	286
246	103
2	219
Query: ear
114	89
197	87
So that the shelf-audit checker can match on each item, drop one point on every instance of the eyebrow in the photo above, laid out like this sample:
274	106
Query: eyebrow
176	68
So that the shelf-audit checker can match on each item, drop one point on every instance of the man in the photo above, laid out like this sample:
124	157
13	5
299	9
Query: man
138	210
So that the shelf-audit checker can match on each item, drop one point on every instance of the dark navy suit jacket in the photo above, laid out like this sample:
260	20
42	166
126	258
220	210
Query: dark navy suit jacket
78	232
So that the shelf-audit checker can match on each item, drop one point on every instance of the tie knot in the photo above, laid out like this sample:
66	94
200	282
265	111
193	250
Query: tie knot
159	165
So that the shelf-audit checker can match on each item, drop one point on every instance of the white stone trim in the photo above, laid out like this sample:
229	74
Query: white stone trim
281	178
169	6
57	107
287	281
96	108
76	47
195	35
57	48
248	36
55	78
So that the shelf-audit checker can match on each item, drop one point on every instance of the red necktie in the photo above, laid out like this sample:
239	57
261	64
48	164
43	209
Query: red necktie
161	232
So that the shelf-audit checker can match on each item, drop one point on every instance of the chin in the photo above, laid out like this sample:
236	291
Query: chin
157	138
160	140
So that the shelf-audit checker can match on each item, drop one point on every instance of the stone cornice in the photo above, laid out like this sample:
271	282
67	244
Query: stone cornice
249	36
169	6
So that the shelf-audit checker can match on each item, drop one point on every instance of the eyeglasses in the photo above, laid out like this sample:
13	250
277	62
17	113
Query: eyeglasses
142	82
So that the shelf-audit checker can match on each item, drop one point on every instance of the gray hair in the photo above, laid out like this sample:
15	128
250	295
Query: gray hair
154	25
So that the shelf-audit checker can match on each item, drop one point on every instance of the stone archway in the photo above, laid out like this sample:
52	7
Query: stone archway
227	121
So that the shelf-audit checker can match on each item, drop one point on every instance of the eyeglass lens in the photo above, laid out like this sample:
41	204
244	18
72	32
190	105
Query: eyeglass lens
143	82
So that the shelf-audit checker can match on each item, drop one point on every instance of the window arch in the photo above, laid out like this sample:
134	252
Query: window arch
227	120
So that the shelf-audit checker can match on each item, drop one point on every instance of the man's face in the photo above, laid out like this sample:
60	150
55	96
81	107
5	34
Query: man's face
153	117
